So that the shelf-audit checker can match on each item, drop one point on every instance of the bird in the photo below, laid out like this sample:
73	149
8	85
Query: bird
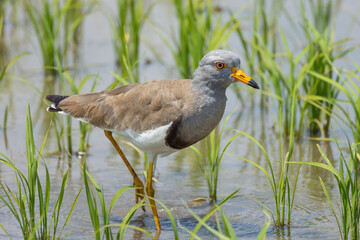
159	117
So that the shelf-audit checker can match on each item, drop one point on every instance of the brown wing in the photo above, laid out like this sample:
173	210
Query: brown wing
140	107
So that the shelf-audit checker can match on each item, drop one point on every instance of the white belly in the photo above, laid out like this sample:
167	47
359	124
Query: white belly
151	141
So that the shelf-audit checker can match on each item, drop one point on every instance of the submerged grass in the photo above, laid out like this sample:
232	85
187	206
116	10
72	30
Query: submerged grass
31	193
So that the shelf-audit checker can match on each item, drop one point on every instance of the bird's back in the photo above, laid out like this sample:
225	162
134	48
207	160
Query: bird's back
138	107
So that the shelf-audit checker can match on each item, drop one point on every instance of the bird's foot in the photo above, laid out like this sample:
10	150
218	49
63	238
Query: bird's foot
139	191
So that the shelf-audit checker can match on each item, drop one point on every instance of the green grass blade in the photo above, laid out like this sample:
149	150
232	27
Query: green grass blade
9	64
204	219
262	234
331	205
171	217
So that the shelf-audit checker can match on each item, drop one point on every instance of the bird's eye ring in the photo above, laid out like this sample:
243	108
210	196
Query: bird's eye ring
220	65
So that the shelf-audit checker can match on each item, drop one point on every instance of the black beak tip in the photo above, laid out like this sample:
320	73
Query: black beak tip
253	84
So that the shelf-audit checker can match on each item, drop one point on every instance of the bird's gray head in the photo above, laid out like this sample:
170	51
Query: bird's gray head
220	68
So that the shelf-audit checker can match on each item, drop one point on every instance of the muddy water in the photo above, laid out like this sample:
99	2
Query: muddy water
179	176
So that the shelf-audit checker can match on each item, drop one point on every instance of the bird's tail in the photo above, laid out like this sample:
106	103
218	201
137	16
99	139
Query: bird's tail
55	99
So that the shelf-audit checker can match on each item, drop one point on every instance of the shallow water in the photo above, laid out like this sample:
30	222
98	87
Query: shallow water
180	178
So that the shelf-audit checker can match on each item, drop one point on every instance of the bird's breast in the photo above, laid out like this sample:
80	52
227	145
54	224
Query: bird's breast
197	124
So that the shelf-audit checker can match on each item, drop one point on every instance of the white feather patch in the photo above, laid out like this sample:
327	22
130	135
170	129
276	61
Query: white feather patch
151	141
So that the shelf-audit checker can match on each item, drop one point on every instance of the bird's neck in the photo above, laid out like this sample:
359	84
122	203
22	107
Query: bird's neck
205	112
208	88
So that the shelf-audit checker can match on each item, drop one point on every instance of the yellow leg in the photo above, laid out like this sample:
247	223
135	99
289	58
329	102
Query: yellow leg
151	192
139	192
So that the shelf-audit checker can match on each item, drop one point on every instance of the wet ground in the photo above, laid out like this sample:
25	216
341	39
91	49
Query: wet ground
180	178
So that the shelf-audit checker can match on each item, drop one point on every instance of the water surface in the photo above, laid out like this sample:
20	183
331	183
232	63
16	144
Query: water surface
179	176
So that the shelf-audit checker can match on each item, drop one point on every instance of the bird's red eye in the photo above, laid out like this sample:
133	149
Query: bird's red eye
220	65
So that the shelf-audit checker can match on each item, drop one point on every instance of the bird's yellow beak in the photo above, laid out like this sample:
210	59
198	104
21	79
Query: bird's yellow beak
240	76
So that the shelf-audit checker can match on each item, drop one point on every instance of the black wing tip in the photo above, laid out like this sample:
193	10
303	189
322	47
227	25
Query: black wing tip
55	98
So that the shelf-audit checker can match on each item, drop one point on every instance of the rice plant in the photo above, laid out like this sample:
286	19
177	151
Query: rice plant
199	33
32	194
322	52
101	224
277	68
283	191
283	77
349	87
355	104
73	37
48	18
222	232
210	160
126	28
262	234
348	219
261	36
264	25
